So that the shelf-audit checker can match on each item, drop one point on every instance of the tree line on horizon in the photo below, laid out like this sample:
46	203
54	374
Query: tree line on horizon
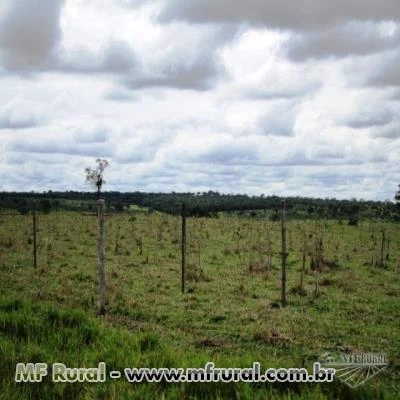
204	204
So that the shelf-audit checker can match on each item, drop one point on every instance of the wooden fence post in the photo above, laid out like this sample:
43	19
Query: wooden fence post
381	262
101	251
303	266
318	257
183	247
34	238
283	240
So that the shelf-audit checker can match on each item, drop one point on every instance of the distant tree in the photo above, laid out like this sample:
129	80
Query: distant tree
45	206
397	197
353	220
95	176
118	207
22	207
274	216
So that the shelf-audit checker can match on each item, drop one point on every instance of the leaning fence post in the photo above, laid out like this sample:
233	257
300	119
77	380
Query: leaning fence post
183	247
101	251
283	239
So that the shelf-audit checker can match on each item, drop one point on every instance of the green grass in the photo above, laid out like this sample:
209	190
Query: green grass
227	317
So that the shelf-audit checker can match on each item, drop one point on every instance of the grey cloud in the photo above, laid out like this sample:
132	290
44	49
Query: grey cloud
387	72
116	57
119	56
228	152
299	158
95	135
136	156
395	95
132	3
289	84
234	153
142	144
390	132
198	68
334	180
368	118
18	114
36	176
260	173
29	33
15	158
325	152
286	14
30	40
116	94
338	175
200	75
159	173
295	158
279	120
277	93
57	147
31	178
10	120
353	38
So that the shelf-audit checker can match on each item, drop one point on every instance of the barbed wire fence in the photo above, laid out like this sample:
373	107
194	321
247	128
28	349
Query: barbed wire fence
248	245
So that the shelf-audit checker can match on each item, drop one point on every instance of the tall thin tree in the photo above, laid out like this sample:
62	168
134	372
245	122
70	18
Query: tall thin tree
95	176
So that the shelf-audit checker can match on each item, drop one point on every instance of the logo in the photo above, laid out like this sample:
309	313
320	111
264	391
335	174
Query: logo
354	369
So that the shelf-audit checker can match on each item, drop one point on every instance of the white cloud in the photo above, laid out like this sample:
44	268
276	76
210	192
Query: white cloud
258	69
19	114
256	97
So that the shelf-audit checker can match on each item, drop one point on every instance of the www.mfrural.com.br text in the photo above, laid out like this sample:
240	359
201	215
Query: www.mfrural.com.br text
59	372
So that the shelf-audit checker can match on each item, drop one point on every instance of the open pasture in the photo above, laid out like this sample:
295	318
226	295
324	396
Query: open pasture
231	312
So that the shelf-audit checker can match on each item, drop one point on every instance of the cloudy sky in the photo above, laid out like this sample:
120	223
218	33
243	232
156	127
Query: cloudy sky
258	96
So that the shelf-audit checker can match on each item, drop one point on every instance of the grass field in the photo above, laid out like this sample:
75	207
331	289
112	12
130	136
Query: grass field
230	314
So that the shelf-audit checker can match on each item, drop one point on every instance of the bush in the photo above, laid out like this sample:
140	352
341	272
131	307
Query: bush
353	221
